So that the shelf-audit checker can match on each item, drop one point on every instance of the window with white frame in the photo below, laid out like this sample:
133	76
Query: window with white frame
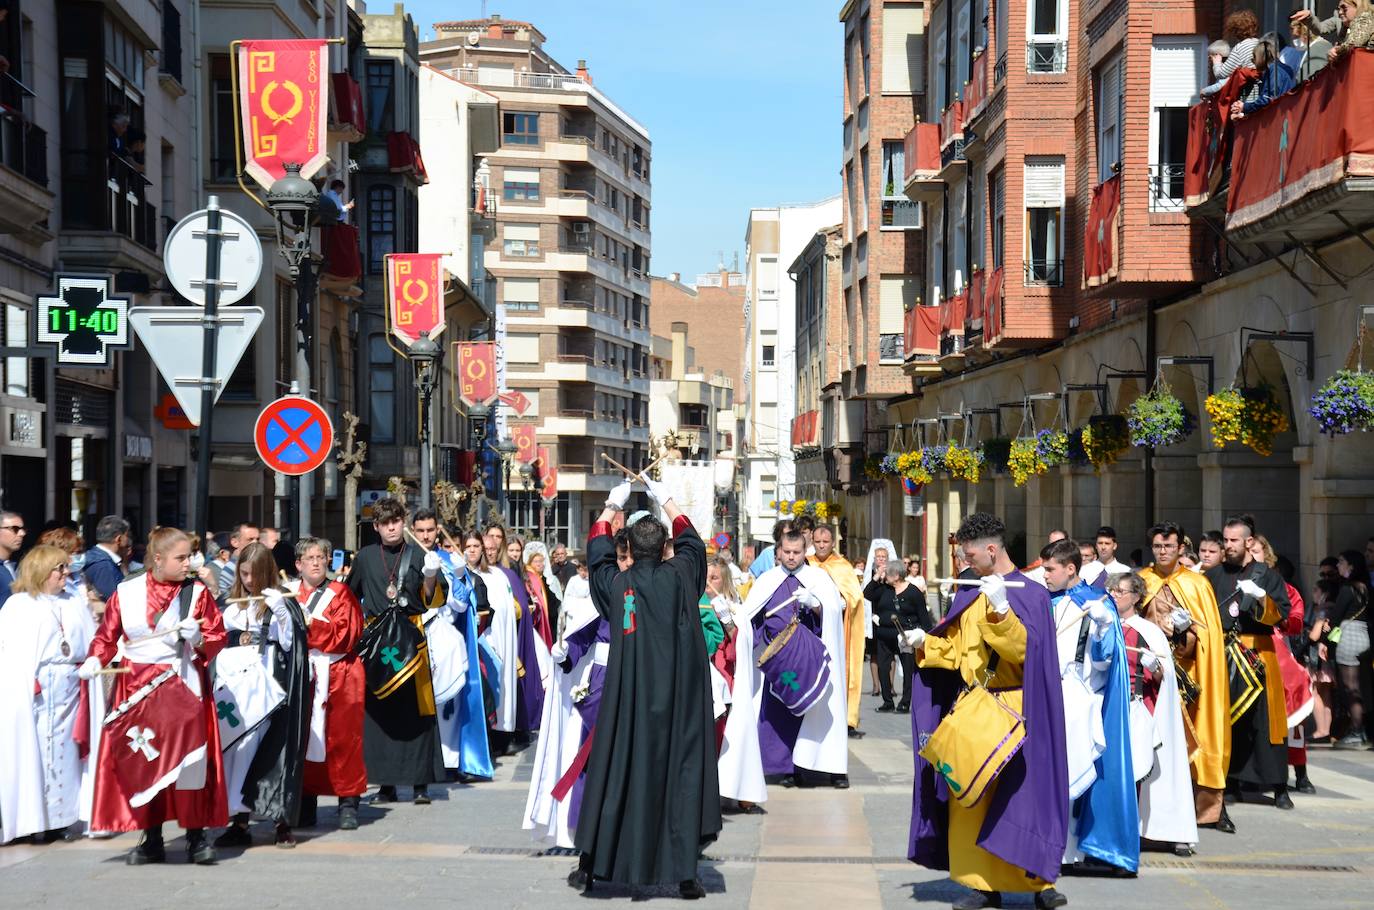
1108	104
1044	188
520	240
903	48
1047	36
939	79
768	278
521	184
896	295
520	294
899	212
1177	71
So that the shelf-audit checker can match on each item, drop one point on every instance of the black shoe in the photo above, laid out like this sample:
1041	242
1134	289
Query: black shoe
1048	898
691	890
1184	850
1281	799
198	849
234	836
285	839
149	850
903	707
577	879
977	900
422	796
348	813
1304	785
1224	824
839	781
855	733
309	814
750	809
385	795
885	708
797	780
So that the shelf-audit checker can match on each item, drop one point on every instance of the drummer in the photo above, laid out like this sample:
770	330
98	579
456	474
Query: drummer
810	746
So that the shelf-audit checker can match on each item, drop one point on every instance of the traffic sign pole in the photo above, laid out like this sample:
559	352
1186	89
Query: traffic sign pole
213	239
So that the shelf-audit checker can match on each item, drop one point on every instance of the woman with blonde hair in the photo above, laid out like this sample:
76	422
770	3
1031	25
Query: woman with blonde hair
546	594
166	632
44	636
264	768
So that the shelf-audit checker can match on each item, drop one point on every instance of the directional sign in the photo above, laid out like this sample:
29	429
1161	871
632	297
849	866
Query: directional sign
83	321
293	435
240	257
174	337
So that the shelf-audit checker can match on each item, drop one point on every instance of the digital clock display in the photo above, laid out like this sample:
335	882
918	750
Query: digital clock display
83	321
71	319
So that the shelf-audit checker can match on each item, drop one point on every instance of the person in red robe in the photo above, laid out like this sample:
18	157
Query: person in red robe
336	623
171	631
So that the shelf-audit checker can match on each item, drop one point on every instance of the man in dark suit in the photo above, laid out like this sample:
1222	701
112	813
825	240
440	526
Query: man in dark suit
104	566
12	533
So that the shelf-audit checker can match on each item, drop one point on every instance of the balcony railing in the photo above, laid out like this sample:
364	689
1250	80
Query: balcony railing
129	212
999	70
901	213
1166	187
1047	55
1049	272
24	148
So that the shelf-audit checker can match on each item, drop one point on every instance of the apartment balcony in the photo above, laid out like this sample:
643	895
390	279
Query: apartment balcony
24	178
403	156
1301	169
1044	272
585	424
952	139
953	314
922	154
346	120
921	341
976	95
1047	56
576	367
119	230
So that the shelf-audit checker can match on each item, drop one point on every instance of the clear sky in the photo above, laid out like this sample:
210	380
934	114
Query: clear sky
742	100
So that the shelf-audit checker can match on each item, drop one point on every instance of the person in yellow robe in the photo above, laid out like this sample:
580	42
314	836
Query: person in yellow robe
1182	603
842	572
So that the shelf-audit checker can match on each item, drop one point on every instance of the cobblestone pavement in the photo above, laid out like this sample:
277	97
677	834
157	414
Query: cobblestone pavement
813	849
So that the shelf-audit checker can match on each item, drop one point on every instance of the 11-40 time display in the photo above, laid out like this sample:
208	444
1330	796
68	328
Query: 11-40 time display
83	320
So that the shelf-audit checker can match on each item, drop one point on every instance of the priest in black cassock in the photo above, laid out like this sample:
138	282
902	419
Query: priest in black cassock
1252	599
400	730
651	797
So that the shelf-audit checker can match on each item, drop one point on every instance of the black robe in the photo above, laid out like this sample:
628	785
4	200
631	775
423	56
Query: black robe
401	731
651	796
272	786
1255	758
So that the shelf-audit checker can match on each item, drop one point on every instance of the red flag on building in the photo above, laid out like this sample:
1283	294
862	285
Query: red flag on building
526	448
517	401
283	106
476	372
415	297
548	476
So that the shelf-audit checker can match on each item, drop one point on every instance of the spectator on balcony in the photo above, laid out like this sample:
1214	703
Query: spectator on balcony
1307	55
137	142
119	131
335	195
1240	31
1354	19
1217	52
1275	78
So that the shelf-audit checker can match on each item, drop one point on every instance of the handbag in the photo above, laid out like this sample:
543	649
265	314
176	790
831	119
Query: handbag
975	741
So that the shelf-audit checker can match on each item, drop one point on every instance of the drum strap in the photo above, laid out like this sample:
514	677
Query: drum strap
184	597
1082	641
406	555
1138	676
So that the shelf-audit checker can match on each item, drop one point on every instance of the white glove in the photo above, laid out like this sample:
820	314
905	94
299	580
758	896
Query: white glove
1149	660
874	619
1248	587
659	491
724	611
806	599
1180	619
88	669
196	564
995	590
619	496
189	631
914	638
432	564
1100	615
559	651
276	602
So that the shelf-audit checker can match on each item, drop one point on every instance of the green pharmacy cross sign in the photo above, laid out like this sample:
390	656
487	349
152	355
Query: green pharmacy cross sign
83	321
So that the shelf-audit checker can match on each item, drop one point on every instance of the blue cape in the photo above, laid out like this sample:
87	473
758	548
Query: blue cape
1107	815
466	713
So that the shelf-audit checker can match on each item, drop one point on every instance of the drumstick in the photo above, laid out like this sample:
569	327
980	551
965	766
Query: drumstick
780	606
152	636
1070	622
252	598
413	539
628	472
974	581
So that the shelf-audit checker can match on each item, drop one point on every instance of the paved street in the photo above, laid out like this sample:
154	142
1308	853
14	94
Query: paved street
819	848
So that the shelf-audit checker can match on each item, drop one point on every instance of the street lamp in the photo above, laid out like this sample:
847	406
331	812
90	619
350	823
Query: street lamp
424	355
506	449
292	200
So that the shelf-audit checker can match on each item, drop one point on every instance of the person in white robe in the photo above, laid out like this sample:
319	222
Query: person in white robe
501	637
44	637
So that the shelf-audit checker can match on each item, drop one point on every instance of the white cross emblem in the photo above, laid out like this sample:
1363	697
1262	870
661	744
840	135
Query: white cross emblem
142	741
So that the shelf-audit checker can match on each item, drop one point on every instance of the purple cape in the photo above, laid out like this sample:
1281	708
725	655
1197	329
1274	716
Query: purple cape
1028	820
529	706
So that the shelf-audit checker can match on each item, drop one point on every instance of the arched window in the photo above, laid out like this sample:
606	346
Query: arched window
381	390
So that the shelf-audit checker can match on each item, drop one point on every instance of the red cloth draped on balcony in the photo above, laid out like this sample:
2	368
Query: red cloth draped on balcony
921	330
1209	134
1305	141
976	92
952	313
342	258
403	155
465	467
346	99
1101	258
921	149
951	123
976	283
806	430
995	319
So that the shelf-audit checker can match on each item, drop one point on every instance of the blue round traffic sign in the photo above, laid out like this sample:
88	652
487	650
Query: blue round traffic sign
293	435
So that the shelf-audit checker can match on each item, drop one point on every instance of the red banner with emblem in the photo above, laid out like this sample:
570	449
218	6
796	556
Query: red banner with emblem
517	401
476	372
548	475
283	106
523	437
415	297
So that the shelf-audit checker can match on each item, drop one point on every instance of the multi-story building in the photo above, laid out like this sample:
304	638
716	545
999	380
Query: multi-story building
1167	277
690	411
773	238
826	420
713	309
570	257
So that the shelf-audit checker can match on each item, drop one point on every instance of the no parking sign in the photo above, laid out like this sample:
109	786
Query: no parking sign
293	435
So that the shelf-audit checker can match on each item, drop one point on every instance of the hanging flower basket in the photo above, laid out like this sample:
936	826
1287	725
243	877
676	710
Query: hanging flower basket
1251	416
1024	460
1345	403
1104	439
873	469
996	452
909	466
1077	454
1052	446
933	459
963	463
1158	418
888	466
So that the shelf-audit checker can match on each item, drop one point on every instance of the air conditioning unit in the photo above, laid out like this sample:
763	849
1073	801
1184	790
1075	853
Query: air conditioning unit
581	227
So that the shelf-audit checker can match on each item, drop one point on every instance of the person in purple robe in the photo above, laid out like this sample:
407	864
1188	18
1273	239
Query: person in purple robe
529	702
1013	838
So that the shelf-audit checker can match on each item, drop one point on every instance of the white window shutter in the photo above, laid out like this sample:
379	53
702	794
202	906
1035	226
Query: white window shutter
1175	67
520	290
897	295
521	175
903	47
521	232
1044	181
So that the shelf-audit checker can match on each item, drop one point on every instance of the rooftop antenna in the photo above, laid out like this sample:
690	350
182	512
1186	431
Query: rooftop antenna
735	266
720	260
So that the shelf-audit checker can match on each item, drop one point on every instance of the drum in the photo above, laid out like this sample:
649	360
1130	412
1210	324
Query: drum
246	693
796	668
157	735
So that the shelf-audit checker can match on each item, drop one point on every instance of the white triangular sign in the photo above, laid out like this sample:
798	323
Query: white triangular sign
175	339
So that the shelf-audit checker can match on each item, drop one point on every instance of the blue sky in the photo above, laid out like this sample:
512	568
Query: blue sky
742	101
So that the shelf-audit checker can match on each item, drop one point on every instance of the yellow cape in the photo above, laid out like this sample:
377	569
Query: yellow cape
842	572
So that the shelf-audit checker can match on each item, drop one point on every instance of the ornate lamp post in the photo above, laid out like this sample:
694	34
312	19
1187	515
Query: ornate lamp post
425	355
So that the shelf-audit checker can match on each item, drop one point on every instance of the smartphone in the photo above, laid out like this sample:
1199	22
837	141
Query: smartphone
337	562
